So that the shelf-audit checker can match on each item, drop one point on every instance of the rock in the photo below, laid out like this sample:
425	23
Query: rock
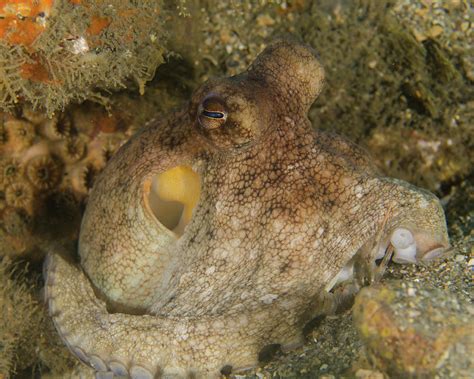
416	336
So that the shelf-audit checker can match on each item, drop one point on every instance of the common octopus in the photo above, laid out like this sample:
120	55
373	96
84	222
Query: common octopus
227	227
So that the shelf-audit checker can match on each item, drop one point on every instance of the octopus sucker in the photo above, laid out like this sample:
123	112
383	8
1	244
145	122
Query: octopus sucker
223	229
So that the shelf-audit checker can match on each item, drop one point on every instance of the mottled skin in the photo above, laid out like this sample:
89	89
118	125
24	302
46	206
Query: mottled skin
283	208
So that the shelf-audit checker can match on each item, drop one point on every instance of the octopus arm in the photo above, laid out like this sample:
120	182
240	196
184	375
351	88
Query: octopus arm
145	346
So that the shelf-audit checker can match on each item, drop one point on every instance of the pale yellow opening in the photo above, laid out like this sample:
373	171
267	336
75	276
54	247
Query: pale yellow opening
173	196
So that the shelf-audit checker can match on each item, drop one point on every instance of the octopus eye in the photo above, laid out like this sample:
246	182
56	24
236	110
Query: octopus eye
212	113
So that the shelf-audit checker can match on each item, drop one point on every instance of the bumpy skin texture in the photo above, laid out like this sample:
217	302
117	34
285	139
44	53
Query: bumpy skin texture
283	208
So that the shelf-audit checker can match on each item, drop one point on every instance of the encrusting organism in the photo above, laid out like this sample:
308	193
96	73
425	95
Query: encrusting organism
53	52
44	158
44	172
10	171
20	194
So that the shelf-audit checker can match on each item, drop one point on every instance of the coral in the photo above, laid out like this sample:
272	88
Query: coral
73	149
20	194
44	172
47	167
55	52
23	21
54	128
82	178
19	133
10	171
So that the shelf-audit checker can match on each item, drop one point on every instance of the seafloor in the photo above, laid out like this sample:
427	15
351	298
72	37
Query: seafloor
399	82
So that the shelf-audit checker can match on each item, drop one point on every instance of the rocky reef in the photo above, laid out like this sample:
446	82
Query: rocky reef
399	82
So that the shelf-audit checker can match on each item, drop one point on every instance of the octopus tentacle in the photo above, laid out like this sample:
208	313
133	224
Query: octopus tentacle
144	346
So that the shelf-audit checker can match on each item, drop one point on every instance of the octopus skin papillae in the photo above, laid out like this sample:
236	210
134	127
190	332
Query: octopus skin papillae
227	226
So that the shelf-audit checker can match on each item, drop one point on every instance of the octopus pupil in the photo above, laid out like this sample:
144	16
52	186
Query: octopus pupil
213	114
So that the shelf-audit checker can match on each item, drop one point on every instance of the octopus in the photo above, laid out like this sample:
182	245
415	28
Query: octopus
227	226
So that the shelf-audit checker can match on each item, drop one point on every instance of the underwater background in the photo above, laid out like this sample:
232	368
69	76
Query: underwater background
78	78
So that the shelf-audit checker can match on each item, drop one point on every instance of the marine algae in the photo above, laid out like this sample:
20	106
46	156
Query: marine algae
28	342
77	50
21	316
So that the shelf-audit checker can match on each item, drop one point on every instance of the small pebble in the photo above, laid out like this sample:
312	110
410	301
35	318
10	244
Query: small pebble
372	64
368	374
465	26
436	31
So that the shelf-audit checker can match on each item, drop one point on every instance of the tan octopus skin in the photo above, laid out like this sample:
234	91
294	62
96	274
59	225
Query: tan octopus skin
283	209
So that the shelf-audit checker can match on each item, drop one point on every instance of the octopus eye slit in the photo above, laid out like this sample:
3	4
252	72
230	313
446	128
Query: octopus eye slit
213	114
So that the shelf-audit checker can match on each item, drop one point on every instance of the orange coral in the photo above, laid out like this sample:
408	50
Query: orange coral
98	24
21	22
55	52
35	71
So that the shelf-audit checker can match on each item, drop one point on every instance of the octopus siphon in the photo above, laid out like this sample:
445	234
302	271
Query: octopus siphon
228	226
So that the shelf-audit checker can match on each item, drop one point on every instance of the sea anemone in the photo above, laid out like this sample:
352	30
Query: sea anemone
57	128
20	194
3	134
33	116
20	133
102	148
73	149
3	202
10	171
82	178
44	172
